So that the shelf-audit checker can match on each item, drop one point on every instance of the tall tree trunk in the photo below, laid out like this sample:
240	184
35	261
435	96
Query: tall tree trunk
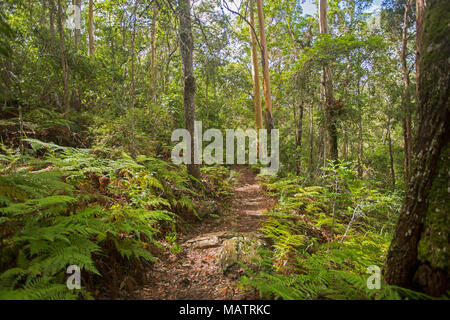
406	96
51	18
265	66
360	147
420	15
63	59
298	141
255	69
133	38
44	11
206	88
328	95
133	89
77	31
153	53
391	158
187	48
413	259
344	144
311	139
91	27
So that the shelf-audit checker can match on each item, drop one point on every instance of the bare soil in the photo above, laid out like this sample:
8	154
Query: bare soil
194	273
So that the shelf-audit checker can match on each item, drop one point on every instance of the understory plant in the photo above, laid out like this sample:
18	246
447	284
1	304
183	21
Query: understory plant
326	239
64	206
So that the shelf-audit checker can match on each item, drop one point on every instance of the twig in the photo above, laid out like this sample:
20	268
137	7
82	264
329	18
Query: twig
245	20
351	220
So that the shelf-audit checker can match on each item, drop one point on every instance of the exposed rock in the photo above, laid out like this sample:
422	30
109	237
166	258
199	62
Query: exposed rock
241	249
205	243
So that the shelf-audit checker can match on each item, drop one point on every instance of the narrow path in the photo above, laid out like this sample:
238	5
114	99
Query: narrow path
194	273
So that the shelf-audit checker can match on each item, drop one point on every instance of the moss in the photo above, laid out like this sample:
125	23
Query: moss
434	243
435	45
242	249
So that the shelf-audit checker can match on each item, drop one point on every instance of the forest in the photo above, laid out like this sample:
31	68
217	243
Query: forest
100	199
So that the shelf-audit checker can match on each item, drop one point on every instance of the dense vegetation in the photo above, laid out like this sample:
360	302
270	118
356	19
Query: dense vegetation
87	115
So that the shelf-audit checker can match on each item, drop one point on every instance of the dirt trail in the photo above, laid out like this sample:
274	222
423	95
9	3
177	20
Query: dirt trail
194	273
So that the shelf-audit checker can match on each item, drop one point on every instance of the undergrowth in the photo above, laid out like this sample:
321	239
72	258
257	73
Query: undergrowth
63	206
326	241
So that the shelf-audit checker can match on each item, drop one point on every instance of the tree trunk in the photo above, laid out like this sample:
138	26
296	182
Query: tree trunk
311	139
265	66
133	89
344	144
133	36
391	158
63	60
415	259
153	53
51	18
206	88
360	147
406	97
298	141
328	96
187	48
44	11
91	27
255	69
420	15
77	32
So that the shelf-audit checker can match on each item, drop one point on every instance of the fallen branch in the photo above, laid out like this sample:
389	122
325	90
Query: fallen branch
354	215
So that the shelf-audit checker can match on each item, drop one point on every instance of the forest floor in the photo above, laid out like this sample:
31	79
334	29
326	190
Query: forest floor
194	273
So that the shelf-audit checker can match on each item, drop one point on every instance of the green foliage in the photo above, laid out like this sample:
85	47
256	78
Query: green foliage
79	210
307	260
73	207
219	181
6	34
100	179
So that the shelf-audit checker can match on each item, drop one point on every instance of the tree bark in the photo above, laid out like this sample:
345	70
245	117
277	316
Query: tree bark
63	60
344	144
187	48
391	158
328	95
91	27
311	139
77	32
153	53
427	193
406	96
255	69
206	88
133	37
360	147
265	66
298	140
420	15
51	18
